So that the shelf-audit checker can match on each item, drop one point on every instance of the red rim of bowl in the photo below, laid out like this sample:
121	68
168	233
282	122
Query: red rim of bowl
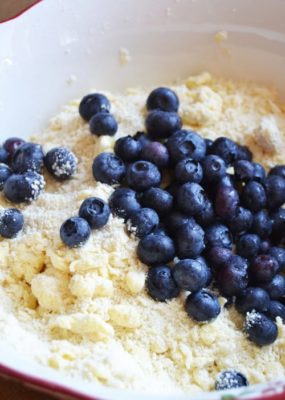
20	12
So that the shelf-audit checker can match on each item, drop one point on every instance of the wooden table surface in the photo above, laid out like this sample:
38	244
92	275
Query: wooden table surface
12	390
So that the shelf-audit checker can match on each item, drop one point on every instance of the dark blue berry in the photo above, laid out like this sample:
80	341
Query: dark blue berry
263	268
260	329
226	149
275	190
164	99
209	143
276	287
176	220
92	104
232	277
230	379
162	124
123	202
243	153
61	163
264	246
262	224
277	170
191	198
202	306
142	138
185	143
11	145
188	170
246	171
207	216
276	309
160	283
218	235
142	175
226	200
214	168
96	212
28	157
259	173
254	196
143	222
279	254
218	256
103	123
190	274
128	149
25	187
158	199
5	172
4	155
108	168
11	222
156	153
248	245
241	221
278	224
252	298
189	240
155	249
75	231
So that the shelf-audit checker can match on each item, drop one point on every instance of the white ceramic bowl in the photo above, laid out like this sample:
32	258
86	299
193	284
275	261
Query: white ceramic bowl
59	49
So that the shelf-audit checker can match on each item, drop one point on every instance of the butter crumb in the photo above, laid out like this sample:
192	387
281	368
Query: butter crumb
124	56
221	36
267	135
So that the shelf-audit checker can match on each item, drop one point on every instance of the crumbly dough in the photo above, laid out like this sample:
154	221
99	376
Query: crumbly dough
85	311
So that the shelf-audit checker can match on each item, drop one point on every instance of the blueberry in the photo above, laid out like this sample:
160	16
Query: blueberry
143	222
254	196
279	254
128	149
11	222
162	124
95	211
264	246
248	245
61	163
214	168
218	256
232	277
108	168
206	217
278	224
277	170
218	235
158	199
209	143
243	153
176	220
260	329
226	149
190	274
188	170
259	173
142	175
202	306
276	287
226	200
252	298
92	104
263	268
103	123
262	224
185	143
164	99
142	138
189	240
5	172
191	198
4	155
244	170
160	283
276	309
156	153
123	202
11	145
230	379
275	190
75	231
26	187
28	157
241	221
155	249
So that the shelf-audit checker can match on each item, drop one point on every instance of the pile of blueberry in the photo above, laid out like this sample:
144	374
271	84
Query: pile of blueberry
21	179
202	228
